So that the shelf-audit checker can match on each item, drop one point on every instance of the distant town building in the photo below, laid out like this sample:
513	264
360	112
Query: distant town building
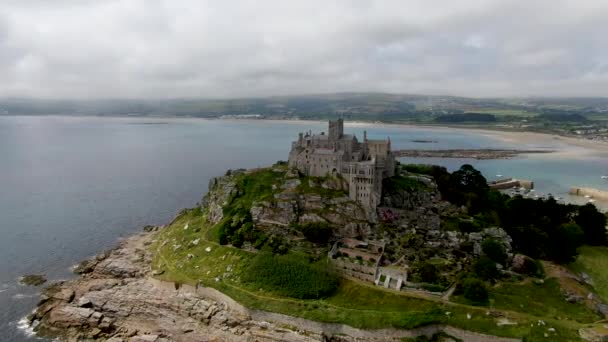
363	164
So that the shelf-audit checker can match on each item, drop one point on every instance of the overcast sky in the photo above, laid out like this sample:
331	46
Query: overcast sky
194	48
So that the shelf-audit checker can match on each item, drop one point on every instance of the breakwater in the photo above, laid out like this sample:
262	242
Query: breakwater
509	183
480	154
589	192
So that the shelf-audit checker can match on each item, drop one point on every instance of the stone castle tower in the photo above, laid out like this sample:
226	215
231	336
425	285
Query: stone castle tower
363	164
336	129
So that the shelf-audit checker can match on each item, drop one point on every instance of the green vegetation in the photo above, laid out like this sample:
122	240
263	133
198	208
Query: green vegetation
593	223
306	188
237	227
515	113
358	305
400	183
485	268
541	229
429	273
291	275
535	298
593	260
33	280
494	250
540	299
466	117
475	290
303	285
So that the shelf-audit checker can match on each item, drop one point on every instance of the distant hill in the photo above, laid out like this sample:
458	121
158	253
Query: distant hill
466	117
353	106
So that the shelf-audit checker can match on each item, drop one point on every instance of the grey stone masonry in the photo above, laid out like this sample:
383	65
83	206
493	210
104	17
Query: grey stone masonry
363	164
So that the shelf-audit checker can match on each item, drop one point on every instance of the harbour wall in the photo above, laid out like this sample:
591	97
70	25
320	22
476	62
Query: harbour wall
510	183
591	192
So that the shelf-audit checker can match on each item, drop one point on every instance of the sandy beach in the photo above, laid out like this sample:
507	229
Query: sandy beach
570	147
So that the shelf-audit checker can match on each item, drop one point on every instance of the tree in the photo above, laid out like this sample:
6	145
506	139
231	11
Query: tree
475	290
468	179
529	240
565	241
593	224
468	187
494	250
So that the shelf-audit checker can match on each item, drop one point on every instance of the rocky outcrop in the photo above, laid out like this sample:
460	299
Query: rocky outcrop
113	303
32	280
221	189
116	300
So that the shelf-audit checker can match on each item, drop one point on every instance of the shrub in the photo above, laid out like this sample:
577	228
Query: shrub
277	244
291	275
485	268
433	287
466	226
494	250
475	290
237	240
428	273
222	237
317	232
260	240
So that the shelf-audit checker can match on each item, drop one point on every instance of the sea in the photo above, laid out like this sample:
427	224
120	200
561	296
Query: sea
71	187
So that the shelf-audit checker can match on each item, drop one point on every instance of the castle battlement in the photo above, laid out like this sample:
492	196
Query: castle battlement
363	164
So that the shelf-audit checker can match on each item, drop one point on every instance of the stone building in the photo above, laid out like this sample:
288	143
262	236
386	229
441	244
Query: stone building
363	164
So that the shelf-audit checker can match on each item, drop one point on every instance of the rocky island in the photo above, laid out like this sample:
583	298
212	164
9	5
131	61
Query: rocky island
342	244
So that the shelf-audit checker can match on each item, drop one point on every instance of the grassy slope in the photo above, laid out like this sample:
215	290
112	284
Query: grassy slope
356	304
594	262
541	300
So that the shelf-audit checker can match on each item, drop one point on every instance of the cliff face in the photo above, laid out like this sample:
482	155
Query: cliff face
221	189
295	200
412	219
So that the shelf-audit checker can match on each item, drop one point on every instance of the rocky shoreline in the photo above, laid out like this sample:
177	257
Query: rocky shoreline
116	299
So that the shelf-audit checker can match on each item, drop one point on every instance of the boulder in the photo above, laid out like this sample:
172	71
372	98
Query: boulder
68	316
523	264
62	294
33	279
602	309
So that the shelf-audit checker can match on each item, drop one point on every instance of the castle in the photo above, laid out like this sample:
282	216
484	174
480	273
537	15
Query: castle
363	164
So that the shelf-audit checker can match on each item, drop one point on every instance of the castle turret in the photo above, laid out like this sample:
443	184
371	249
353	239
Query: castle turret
336	129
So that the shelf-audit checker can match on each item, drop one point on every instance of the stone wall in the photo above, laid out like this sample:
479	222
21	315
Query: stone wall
332	328
595	193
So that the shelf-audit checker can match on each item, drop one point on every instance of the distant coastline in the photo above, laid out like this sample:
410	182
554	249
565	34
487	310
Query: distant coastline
578	147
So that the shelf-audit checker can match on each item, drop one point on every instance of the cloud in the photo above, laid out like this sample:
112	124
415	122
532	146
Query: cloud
192	48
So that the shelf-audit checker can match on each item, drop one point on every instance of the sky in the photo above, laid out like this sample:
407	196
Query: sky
230	48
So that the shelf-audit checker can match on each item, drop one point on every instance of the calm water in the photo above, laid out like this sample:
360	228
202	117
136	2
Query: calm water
71	187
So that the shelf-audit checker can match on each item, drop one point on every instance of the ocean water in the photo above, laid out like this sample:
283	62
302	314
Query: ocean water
71	187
